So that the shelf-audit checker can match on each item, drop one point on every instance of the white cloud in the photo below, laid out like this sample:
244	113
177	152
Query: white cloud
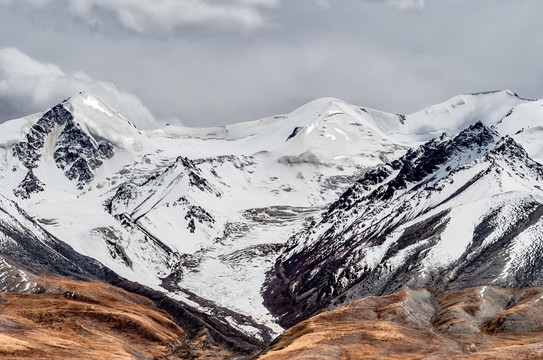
28	86
408	4
163	16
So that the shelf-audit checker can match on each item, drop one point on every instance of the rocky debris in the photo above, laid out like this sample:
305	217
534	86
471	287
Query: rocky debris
247	254
278	214
242	162
476	323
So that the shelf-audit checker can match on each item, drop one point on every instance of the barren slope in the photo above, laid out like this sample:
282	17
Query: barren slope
90	320
477	323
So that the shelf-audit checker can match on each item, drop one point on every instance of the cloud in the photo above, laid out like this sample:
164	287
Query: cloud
400	4
407	4
160	16
28	86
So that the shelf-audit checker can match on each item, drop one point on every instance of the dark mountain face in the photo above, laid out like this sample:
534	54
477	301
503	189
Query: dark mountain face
29	150
403	224
75	152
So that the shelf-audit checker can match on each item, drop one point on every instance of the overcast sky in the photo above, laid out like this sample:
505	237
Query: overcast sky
213	62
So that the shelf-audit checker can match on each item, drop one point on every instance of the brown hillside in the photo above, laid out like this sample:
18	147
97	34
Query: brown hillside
477	323
90	320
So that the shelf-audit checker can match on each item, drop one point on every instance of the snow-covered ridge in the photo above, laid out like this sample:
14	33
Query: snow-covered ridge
455	212
101	121
201	213
457	113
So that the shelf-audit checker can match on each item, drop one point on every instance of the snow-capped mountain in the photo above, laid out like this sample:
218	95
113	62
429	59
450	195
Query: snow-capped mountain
453	213
189	212
370	201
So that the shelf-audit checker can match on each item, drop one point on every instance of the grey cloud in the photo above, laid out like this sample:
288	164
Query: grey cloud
407	4
393	55
28	86
400	4
159	16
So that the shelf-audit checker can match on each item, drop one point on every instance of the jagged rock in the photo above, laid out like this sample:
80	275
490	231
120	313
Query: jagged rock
29	150
77	154
30	184
198	213
75	151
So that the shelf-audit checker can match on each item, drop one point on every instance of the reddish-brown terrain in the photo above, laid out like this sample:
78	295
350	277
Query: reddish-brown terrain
477	323
90	320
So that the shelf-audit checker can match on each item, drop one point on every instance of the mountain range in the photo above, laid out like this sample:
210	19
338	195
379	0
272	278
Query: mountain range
242	231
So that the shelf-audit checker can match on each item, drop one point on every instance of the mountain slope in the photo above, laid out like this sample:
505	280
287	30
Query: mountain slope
129	201
28	253
66	318
456	212
456	114
195	218
475	323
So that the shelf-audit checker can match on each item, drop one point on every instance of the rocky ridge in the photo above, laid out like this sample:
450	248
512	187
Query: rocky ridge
74	151
399	225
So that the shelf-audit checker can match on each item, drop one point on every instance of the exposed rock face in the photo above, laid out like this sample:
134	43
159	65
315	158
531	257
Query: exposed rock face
30	184
132	197
74	151
78	155
29	150
476	323
198	213
444	216
133	202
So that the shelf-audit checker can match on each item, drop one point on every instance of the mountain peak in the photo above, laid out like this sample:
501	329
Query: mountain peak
457	113
58	136
102	122
429	218
92	107
77	135
494	92
319	108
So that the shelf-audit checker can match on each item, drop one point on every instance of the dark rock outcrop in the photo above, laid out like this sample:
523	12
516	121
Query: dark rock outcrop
75	151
